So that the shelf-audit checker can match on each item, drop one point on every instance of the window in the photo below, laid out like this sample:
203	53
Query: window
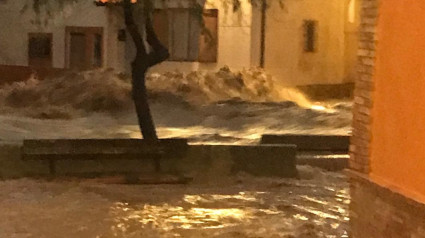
40	49
40	46
310	36
185	36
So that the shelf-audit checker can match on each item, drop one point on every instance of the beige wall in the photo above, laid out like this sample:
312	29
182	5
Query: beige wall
16	26
352	24
256	37
238	44
284	55
234	44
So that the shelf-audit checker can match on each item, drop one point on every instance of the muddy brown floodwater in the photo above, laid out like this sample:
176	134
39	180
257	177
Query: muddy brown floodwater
207	108
241	206
221	107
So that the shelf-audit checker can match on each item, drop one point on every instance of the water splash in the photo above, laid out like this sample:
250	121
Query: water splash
74	94
252	85
206	107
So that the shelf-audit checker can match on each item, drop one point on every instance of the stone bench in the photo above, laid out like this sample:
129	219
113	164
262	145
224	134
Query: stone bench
103	149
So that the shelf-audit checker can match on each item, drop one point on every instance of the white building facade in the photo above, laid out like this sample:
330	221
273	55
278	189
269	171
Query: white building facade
305	42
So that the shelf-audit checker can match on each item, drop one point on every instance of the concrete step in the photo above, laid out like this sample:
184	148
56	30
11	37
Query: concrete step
257	160
326	161
338	143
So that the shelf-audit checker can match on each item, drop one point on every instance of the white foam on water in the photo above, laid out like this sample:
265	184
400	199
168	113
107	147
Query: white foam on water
206	107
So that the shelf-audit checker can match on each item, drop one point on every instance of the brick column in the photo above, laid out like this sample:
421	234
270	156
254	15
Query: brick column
360	141
375	211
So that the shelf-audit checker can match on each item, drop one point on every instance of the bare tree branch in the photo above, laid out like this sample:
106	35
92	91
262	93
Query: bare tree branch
133	29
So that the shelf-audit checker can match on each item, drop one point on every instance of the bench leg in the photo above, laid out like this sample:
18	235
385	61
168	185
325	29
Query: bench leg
52	168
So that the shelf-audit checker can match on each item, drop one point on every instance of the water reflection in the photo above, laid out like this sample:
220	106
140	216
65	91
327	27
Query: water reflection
278	212
244	206
167	217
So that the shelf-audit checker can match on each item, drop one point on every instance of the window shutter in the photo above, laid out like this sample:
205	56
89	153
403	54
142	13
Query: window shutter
194	34
160	25
208	42
180	36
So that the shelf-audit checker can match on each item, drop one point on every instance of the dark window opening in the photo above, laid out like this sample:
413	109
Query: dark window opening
40	46
310	36
40	49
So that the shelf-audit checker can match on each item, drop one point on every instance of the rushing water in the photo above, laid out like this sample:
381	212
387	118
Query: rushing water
218	107
314	206
210	108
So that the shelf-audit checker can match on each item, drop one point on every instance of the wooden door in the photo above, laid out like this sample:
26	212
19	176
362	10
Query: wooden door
84	48
77	51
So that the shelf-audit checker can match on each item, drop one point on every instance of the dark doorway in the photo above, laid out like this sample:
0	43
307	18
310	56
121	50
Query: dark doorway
77	51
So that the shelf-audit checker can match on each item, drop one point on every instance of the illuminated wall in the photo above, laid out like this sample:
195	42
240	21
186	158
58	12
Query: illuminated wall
398	114
335	57
239	36
351	39
15	27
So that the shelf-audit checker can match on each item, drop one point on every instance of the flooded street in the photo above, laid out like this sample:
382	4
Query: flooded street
207	108
212	119
240	206
221	107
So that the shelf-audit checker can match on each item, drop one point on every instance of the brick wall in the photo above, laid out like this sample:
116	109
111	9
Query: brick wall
360	141
375	211
378	212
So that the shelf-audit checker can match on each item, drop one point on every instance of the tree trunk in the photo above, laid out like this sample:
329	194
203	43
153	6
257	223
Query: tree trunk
141	101
140	66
